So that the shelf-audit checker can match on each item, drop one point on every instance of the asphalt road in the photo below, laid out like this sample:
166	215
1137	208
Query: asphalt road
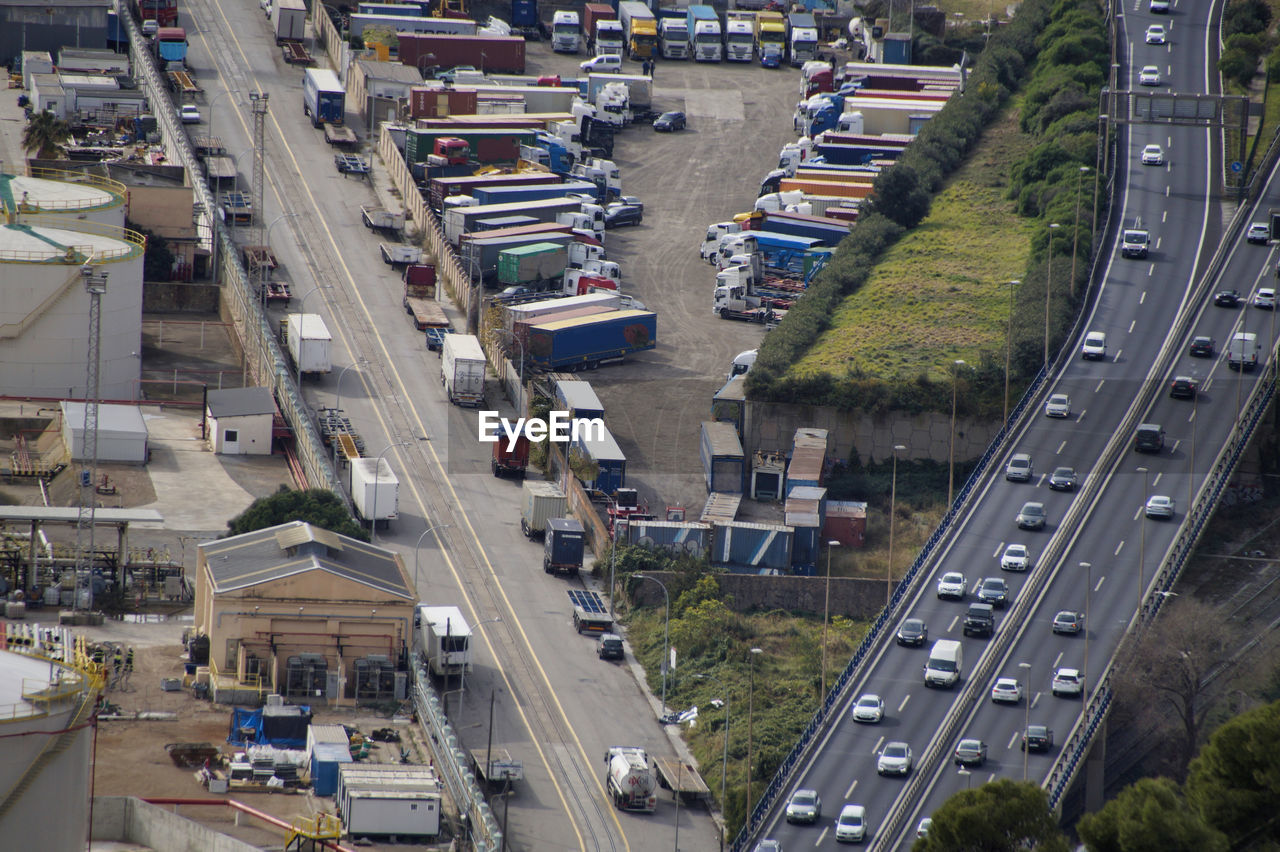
1136	308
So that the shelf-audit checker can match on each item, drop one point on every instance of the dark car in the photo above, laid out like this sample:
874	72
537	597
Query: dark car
1227	298
1031	517
1037	738
1183	387
617	215
913	632
980	620
971	753
515	291
669	121
1203	347
1063	479
995	591
610	647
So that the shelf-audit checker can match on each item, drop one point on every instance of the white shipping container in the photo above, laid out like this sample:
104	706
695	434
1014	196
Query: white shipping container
375	489
534	310
542	500
402	813
335	734
462	367
289	19
309	341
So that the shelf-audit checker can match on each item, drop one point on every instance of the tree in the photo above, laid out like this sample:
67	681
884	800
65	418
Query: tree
314	505
1002	815
44	135
1234	783
1149	816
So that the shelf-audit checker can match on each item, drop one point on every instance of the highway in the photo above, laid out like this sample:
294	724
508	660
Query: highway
1110	555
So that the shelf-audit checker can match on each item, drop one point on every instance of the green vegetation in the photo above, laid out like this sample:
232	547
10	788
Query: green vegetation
1003	816
1245	41
317	506
44	135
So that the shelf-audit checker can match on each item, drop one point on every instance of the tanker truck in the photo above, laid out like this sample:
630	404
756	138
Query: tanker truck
631	780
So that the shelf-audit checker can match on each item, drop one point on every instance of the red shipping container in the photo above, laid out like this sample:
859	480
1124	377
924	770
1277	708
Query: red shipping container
500	149
846	523
439	102
504	54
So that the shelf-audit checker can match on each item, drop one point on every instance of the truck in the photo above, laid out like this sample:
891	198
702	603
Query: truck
323	98
420	297
379	218
524	18
607	465
485	145
584	342
308	340
566	30
1135	242
563	546
739	36
604	32
540	501
289	20
829	231
736	302
705	42
771	31
510	457
639	29
1243	350
375	491
802	38
673	33
723	464
462	367
399	254
631	781
169	46
489	53
639	88
480	256
444	639
533	265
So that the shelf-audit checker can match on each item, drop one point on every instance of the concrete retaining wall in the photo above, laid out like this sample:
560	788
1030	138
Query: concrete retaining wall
130	820
172	297
855	598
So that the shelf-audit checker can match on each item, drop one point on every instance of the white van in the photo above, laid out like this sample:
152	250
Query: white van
609	63
946	660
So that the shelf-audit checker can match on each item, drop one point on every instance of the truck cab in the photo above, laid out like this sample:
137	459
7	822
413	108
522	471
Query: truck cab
739	41
608	38
711	243
565	32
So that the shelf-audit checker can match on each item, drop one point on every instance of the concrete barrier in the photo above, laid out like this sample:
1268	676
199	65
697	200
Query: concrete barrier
126	819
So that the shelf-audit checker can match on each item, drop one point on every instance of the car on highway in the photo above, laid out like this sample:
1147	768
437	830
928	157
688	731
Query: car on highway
1020	468
970	752
1159	507
1069	622
913	632
924	826
1094	347
1153	155
1158	7
868	708
1265	298
1067	682
1031	517
1006	690
1135	242
1259	232
1149	75
1227	298
1203	346
953	586
616	215
804	806
895	759
150	27
768	845
1063	479
1016	557
1156	34
669	122
979	620
1182	387
1037	738
851	825
190	114
994	591
1057	405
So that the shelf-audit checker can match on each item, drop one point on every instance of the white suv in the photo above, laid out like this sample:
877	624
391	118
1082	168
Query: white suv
852	824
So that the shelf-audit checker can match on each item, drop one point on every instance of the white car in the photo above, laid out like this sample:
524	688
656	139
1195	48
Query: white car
869	708
1160	507
1006	691
1149	75
1067	682
190	114
1156	34
952	585
1265	298
895	759
609	63
804	806
150	27
1259	232
1016	557
851	827
1153	155
1094	347
1058	405
922	830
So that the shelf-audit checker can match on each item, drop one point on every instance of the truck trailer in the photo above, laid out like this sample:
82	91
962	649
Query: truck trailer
639	29
323	98
308	341
585	342
444	639
375	491
705	40
462	369
489	53
289	20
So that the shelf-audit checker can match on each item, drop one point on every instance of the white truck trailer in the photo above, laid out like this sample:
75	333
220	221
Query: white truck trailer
308	341
375	490
444	639
462	367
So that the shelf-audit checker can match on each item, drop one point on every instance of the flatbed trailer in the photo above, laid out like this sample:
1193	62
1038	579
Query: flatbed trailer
502	767
590	614
426	313
260	256
295	52
276	291
339	136
183	84
351	164
238	208
681	779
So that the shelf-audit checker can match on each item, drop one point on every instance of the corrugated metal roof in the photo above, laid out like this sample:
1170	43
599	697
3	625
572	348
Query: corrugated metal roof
806	464
112	419
555	325
579	395
721	507
846	509
806	492
723	438
292	536
810	437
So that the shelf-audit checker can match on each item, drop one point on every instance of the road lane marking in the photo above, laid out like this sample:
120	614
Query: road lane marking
849	792
1056	660
952	625
1156	481
1083	412
1098	585
1143	298
999	548
1012	740
903	705
1118	546
1099	386
1060	446
823	835
1132	323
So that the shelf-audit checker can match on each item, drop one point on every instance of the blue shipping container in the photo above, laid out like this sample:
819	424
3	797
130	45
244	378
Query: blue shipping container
753	546
687	538
325	759
583	342
604	451
524	13
512	194
805	511
577	397
723	466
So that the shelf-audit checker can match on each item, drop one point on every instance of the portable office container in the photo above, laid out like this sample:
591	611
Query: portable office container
804	512
846	522
563	546
768	471
752	546
692	539
325	760
722	461
577	397
611	464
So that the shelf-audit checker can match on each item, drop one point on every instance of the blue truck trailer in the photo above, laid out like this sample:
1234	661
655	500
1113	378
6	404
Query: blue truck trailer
510	194
323	98
724	468
563	546
582	343
599	447
829	231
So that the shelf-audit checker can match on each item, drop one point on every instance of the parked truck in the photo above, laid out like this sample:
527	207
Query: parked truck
289	19
735	302
420	297
308	341
631	780
444	639
603	30
705	40
535	265
379	218
639	29
771	32
565	32
323	98
585	342
563	546
802	38
673	33
510	457
739	36
462	367
540	502
375	491
480	255
534	313
539	192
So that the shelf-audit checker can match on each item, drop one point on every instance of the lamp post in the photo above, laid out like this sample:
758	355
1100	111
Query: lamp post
968	778
1008	348
666	636
1048	290
1142	540
1026	716
751	703
1088	594
893	499
417	552
724	761
826	611
337	406
951	455
1075	237
377	469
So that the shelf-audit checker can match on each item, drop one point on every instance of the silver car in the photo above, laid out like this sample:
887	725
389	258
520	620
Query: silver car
804	806
1016	558
895	759
868	709
1160	507
1020	468
1058	405
953	585
1031	517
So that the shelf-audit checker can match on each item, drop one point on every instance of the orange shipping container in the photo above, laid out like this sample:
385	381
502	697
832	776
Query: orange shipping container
837	189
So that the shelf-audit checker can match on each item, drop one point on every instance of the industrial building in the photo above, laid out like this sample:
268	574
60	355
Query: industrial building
238	421
306	613
377	88
49	26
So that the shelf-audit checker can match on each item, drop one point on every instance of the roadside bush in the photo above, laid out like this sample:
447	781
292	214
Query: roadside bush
1238	65
1245	16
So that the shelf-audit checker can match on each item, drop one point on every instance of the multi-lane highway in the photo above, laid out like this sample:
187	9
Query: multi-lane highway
1104	561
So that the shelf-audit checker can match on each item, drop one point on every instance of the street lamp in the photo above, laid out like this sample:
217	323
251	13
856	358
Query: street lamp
893	499
1142	540
1075	238
258	274
213	103
968	778
724	761
951	455
1088	595
1048	290
377	469
666	636
1026	716
826	610
1008	347
418	553
337	406
751	703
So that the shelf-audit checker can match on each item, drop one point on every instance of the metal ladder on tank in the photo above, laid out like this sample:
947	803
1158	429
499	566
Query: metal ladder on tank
56	745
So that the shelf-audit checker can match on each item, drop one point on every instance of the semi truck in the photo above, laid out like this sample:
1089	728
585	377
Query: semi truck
584	342
538	192
604	32
631	781
771	31
639	29
563	546
547	309
480	256
375	491
323	98
673	33
566	31
444	639
462	367
802	38
443	187
420	297
289	20
705	40
308	341
739	36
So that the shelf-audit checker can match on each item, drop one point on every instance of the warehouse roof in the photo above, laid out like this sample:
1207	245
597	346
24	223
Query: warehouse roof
241	402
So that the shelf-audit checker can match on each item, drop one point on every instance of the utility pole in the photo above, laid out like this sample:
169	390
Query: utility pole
95	285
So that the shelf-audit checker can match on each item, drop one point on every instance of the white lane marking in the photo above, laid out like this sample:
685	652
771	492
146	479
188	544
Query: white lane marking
999	549
1101	580
849	792
1156	481
1164	217
952	625
1143	298
1118	547
1056	660
1083	411
825	829
1138	514
1099	387
1192	417
1013	740
1117	358
903	705
1132	323
1060	446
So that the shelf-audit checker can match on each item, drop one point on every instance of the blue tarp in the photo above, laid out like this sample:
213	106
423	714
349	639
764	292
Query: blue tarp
286	727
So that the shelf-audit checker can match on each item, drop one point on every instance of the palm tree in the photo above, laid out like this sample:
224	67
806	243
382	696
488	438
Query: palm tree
44	135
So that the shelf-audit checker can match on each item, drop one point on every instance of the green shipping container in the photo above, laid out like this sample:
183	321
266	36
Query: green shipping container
532	263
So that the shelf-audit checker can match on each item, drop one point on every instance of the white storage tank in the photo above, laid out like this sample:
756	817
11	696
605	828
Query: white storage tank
75	196
44	314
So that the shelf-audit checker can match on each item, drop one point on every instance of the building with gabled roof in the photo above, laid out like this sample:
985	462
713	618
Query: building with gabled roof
238	420
304	612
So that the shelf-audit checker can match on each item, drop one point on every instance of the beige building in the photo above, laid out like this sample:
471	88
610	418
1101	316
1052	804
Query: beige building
304	612
238	421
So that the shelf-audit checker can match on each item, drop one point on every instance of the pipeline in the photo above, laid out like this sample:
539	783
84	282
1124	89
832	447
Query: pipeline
245	809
